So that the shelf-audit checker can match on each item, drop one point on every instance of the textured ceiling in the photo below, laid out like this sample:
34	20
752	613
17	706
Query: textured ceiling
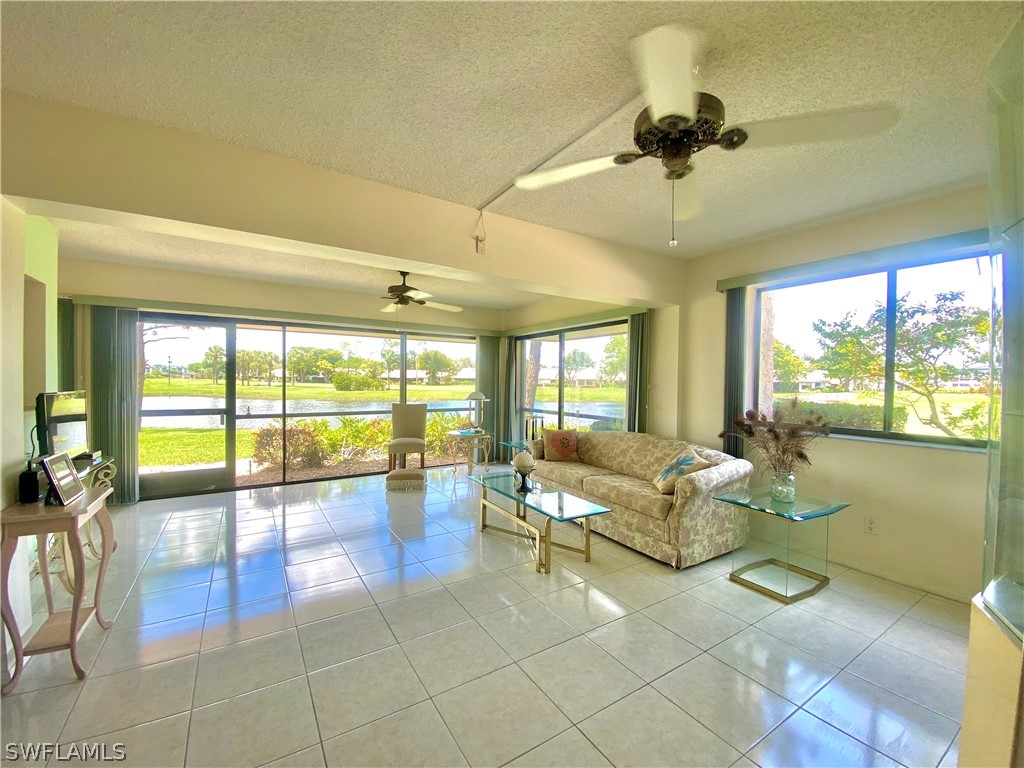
453	100
97	242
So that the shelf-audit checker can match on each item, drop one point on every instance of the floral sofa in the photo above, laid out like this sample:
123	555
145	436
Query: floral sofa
616	470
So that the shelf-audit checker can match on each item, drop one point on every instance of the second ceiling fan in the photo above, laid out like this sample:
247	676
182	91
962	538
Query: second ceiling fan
680	121
404	295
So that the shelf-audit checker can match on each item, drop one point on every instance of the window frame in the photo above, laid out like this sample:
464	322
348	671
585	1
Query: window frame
519	413
889	392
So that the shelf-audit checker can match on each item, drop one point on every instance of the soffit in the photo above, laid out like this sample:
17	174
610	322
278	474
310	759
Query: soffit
453	100
98	242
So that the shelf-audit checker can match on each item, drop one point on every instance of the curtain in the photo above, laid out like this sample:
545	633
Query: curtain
115	395
636	379
507	421
488	381
65	345
735	339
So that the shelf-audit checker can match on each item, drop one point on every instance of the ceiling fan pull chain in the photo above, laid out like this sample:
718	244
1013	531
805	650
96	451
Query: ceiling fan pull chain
673	242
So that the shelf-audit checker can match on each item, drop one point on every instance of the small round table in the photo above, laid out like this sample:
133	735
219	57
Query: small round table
467	441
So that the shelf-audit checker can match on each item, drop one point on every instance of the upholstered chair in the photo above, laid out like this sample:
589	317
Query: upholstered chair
409	432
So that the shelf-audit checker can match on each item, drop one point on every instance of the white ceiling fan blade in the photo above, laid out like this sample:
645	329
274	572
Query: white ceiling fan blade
414	294
444	307
390	308
545	178
664	60
687	204
833	125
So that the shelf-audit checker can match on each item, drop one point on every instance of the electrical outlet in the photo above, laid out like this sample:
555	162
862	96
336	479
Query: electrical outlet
481	245
871	525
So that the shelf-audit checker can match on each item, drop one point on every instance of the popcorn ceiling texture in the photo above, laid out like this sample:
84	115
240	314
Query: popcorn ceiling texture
454	100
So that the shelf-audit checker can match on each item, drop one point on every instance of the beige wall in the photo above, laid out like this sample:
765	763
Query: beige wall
663	392
930	501
12	397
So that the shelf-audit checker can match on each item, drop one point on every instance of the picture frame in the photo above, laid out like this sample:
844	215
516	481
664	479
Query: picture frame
65	484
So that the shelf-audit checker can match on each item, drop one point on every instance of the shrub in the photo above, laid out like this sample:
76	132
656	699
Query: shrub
306	448
355	382
439	424
855	415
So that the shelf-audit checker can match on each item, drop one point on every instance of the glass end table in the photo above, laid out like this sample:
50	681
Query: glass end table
553	505
786	556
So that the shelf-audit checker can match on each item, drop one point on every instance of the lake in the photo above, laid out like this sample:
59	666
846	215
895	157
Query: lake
257	407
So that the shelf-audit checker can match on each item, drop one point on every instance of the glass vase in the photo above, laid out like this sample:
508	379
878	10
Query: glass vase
784	487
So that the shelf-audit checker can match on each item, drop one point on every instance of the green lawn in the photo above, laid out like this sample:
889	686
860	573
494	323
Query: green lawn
417	392
175	447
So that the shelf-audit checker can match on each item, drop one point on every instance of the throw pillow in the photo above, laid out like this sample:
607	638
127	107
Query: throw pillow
560	445
537	448
685	463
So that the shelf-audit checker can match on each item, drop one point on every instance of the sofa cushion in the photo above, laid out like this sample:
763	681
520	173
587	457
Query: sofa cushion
630	492
685	463
568	474
560	445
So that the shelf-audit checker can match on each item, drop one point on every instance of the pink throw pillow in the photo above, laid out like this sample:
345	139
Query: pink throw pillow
560	445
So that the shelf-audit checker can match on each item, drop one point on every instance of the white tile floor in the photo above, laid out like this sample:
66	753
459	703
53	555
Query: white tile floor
337	624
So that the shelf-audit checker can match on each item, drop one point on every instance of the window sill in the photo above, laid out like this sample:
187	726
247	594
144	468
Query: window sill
910	443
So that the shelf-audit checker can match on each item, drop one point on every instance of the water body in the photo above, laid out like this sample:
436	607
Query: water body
256	407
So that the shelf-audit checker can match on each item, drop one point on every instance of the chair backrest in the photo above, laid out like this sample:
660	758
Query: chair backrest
409	420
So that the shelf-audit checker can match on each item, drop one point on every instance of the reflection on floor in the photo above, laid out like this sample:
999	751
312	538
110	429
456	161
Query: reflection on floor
335	623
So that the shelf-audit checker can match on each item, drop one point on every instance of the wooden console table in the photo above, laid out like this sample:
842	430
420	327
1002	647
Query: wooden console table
62	629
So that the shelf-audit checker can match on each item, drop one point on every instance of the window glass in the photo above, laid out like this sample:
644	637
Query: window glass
824	344
538	384
942	349
259	391
594	366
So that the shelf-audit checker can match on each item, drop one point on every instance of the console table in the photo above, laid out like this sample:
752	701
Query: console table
796	545
61	629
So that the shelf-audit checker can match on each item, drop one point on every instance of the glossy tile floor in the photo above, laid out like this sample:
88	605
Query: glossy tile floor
335	623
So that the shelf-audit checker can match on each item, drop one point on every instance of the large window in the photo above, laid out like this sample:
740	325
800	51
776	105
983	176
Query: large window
238	403
900	353
574	378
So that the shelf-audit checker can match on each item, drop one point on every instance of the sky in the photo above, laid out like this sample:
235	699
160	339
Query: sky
798	307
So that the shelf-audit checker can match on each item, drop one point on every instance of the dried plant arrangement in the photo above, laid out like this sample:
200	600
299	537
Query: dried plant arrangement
783	436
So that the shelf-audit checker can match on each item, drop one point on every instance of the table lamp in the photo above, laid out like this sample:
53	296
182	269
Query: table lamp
477	398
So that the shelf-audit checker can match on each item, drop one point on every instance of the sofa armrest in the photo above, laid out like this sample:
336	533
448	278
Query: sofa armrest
702	527
536	448
714	479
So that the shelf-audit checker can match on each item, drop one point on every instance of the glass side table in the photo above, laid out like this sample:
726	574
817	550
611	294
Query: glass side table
786	555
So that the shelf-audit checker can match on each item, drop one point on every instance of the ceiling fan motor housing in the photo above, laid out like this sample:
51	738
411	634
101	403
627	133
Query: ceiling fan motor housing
674	147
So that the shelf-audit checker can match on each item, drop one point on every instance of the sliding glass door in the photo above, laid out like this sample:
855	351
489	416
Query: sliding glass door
184	441
231	403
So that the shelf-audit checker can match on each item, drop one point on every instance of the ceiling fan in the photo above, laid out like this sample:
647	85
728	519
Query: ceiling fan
404	295
680	121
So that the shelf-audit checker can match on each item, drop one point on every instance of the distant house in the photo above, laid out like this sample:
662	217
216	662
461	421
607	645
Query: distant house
466	374
411	375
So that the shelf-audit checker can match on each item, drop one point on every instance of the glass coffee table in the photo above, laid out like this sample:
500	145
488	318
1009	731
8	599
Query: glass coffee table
786	555
553	505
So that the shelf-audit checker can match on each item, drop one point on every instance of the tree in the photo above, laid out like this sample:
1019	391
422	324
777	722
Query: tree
574	362
929	336
852	353
245	365
214	361
616	358
789	367
302	362
437	365
391	358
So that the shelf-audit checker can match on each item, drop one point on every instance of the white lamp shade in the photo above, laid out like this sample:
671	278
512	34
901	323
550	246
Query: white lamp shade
478	396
